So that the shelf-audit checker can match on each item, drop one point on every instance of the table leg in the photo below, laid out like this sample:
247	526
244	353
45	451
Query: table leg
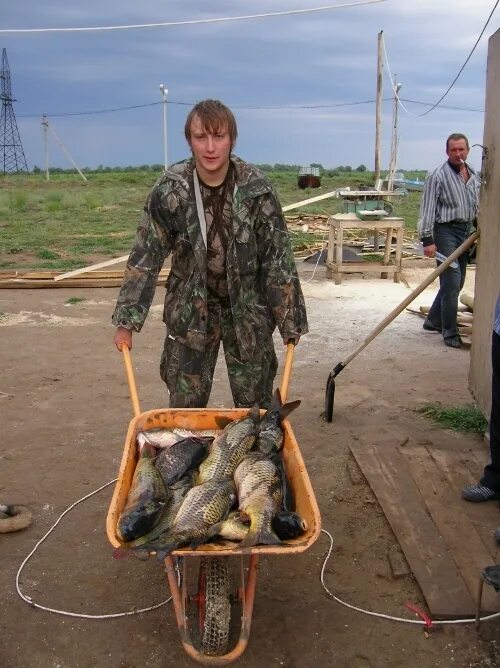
329	252
338	255
387	250
399	254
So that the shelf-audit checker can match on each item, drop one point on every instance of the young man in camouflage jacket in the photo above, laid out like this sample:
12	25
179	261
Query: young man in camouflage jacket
233	276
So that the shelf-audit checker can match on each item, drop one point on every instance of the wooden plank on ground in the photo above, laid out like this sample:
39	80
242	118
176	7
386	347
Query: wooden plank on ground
445	506
426	552
462	469
80	282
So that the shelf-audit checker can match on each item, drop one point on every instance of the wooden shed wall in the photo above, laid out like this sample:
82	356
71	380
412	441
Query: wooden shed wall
487	284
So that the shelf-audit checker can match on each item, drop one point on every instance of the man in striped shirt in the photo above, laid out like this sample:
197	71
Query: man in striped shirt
447	212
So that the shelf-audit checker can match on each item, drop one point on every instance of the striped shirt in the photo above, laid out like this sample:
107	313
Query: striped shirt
496	317
447	198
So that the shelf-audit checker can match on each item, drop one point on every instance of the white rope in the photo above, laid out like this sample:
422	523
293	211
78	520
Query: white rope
168	24
320	253
390	617
380	615
30	601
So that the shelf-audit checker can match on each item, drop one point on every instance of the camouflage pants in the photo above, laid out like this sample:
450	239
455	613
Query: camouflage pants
189	373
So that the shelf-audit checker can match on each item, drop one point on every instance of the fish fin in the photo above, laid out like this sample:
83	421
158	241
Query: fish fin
172	542
262	537
148	450
277	401
213	531
254	412
286	409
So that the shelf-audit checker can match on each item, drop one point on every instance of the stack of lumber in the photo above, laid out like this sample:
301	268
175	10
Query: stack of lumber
45	279
465	316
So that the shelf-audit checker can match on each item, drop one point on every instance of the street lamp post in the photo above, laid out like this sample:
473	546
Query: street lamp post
164	93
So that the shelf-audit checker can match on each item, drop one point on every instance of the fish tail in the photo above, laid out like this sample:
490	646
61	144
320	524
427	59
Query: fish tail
165	547
260	533
277	401
286	409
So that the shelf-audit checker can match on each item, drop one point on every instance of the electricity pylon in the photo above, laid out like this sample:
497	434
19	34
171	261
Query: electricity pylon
12	157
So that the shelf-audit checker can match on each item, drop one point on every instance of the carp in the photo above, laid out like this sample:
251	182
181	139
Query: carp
270	437
230	447
259	493
175	497
165	438
203	506
146	498
175	461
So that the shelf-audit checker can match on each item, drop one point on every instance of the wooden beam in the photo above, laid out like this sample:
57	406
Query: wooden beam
303	202
84	270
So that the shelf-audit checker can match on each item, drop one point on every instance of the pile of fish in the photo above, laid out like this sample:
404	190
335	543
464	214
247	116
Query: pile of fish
192	487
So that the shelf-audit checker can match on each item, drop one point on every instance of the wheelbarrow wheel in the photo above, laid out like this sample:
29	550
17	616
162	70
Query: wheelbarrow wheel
214	606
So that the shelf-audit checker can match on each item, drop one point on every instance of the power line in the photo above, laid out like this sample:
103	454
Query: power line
443	106
297	107
438	103
466	61
168	24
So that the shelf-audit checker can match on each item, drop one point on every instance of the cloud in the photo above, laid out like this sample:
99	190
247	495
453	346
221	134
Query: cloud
309	59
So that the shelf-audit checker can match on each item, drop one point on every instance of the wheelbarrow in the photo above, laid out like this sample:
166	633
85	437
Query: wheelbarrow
213	585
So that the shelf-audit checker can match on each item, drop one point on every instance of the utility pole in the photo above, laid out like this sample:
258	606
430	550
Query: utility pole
45	126
164	93
46	129
378	108
394	141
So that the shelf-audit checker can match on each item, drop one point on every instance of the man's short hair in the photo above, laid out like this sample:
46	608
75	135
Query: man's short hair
213	116
456	136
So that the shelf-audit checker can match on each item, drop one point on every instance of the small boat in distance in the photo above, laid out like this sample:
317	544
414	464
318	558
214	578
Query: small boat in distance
402	183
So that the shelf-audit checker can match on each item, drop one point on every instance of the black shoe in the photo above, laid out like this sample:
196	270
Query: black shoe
453	342
429	327
479	493
497	536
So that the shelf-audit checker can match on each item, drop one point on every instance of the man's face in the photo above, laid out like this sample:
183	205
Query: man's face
457	151
211	151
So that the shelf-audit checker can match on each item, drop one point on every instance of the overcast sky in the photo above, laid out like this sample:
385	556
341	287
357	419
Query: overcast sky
318	59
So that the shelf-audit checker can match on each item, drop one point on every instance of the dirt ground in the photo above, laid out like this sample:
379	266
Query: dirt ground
65	409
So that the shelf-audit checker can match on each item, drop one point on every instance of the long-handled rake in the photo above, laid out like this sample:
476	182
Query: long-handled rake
330	384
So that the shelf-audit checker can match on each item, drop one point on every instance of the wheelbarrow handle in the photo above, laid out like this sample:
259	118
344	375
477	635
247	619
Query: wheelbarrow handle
131	379
287	371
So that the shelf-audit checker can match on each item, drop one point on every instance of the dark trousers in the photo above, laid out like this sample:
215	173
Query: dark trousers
491	477
189	373
443	312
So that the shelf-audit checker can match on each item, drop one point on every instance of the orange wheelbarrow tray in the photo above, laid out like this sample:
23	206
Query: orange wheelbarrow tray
305	505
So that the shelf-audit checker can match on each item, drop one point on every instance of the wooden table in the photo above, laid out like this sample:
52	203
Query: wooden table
335	267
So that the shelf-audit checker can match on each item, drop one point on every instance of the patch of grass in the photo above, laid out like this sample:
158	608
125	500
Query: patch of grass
92	201
459	418
45	254
18	200
82	221
74	300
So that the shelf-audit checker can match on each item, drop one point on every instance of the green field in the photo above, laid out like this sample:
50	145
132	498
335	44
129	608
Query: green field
66	223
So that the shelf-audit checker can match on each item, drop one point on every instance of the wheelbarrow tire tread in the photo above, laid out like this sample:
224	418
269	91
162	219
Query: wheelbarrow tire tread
217	607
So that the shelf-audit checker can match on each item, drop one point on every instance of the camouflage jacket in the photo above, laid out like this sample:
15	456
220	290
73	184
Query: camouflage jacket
264	288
